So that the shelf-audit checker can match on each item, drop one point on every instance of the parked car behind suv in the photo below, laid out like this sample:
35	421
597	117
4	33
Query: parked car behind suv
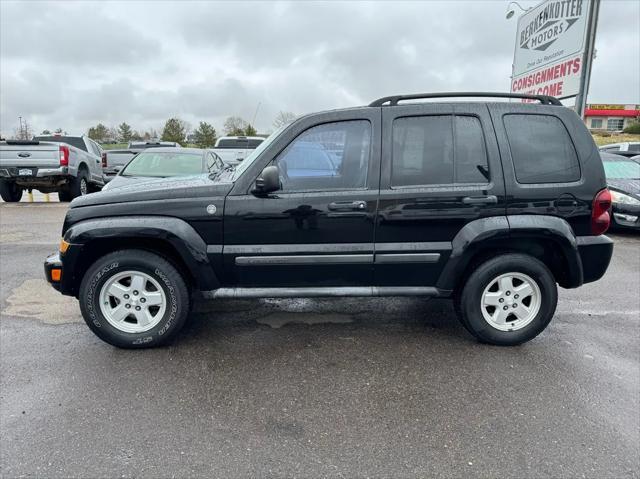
492	204
164	163
68	165
114	160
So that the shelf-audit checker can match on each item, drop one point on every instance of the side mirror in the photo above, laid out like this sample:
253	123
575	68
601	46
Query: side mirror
268	181
117	168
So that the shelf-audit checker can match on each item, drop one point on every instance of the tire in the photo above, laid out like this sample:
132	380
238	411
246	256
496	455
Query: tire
525	295
120	272
10	192
78	186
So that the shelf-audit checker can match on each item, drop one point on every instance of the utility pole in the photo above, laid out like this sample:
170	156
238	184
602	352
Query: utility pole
587	58
21	132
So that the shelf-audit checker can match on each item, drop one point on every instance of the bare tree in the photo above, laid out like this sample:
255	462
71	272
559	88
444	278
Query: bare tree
24	131
283	118
235	126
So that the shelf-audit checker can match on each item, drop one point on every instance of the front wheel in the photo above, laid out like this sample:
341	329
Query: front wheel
508	300
134	299
10	192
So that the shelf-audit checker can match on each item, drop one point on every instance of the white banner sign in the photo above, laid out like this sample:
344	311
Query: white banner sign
549	46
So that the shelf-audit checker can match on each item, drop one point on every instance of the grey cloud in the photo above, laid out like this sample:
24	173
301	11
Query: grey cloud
115	62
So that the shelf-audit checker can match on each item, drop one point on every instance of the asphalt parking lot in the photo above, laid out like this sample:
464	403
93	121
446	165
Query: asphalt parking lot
311	388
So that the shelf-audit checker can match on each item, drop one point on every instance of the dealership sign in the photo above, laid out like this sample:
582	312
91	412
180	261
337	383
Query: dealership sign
549	50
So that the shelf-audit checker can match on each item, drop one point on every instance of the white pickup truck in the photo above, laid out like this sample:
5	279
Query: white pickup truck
68	165
233	149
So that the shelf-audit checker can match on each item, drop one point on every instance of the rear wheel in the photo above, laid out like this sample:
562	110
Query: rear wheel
508	300
10	192
134	299
78	186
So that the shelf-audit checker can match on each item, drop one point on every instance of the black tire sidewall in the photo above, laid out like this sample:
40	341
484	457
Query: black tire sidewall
163	272
10	191
472	317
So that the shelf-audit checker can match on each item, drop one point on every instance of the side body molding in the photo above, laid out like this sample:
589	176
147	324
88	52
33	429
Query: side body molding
174	231
498	231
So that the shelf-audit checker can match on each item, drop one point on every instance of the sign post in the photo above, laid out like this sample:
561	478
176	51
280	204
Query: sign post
554	49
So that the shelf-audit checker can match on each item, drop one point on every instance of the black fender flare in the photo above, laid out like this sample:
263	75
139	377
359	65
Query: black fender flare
478	235
174	231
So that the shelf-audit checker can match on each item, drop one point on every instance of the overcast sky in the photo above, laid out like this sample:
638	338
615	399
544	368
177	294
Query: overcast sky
74	64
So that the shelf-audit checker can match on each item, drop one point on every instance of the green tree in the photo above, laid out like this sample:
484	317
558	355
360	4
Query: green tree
235	126
174	130
45	132
124	132
98	133
249	130
60	131
205	135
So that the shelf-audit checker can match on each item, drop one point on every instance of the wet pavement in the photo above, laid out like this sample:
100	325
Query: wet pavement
338	387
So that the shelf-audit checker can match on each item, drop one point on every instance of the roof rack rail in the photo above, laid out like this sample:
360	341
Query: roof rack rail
393	100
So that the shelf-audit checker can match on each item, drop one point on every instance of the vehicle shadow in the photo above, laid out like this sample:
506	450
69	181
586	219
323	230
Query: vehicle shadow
330	318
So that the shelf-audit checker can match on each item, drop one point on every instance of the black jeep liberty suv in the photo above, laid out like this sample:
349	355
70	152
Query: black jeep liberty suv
490	203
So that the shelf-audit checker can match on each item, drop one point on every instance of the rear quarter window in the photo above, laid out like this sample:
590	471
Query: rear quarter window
541	149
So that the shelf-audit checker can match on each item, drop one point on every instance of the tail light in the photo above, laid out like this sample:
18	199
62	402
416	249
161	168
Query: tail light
64	156
104	160
600	212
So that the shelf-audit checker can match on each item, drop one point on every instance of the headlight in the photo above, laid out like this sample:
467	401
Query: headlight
622	199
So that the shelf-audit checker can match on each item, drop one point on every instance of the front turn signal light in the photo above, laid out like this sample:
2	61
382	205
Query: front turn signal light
56	274
64	246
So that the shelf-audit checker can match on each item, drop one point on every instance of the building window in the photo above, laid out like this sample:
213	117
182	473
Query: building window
596	123
615	124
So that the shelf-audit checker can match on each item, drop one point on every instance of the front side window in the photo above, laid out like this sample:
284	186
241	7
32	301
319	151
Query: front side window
615	124
438	150
162	164
541	149
327	157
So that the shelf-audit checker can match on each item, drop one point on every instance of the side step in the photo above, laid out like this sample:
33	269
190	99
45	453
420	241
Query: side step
325	292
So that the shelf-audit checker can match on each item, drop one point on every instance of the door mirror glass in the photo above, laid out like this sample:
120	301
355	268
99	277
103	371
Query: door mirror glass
268	181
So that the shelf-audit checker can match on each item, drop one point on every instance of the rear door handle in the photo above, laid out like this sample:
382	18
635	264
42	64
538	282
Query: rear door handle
348	205
480	200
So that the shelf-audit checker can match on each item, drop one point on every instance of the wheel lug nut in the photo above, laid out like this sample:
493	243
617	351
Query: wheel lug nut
127	306
515	305
508	293
501	300
142	300
505	308
515	296
137	308
126	296
135	293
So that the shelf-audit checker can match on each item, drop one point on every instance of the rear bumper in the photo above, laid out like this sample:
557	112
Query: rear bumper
595	253
13	172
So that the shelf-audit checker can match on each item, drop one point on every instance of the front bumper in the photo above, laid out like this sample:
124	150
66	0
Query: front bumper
595	253
65	263
53	262
626	216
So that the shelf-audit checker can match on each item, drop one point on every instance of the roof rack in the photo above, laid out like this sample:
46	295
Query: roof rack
393	100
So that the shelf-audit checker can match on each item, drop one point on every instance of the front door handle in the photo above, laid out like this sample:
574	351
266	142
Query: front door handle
480	200
348	205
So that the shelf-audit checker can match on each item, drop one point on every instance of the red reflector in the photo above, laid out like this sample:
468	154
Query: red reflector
104	160
64	155
600	212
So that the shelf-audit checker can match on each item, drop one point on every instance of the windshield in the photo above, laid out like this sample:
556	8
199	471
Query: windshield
161	164
622	170
256	153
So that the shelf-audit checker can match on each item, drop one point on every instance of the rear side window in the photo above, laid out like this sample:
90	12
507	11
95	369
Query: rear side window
438	150
541	149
